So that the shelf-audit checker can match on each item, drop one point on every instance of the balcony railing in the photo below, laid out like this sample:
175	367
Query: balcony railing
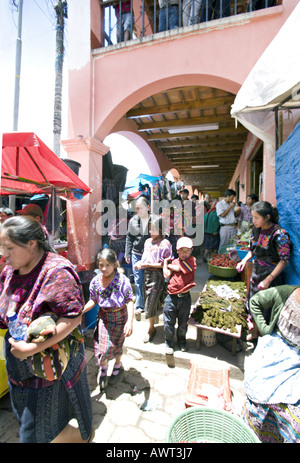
130	19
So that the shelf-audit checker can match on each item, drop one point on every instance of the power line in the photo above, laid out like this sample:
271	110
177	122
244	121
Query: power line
47	16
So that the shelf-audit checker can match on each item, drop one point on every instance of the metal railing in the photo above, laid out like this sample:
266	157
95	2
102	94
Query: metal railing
124	21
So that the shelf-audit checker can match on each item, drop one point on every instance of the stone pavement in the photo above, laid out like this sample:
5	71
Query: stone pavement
150	393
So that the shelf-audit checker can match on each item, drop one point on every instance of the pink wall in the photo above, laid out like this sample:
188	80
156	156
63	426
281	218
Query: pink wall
217	57
105	83
113	80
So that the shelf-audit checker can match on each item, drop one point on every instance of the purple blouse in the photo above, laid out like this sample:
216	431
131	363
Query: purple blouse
155	253
246	213
116	295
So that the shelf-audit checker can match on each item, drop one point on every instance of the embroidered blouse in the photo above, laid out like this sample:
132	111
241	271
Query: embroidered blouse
115	295
270	246
156	252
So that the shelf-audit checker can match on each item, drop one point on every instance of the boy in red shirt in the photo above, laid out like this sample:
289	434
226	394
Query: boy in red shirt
177	306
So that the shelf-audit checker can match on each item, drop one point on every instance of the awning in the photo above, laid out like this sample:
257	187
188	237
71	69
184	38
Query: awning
273	84
29	166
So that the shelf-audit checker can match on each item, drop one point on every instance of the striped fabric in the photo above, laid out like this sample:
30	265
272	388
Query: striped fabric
278	423
51	363
109	333
154	288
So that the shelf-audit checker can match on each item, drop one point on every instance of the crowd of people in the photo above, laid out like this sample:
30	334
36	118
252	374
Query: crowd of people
163	268
193	12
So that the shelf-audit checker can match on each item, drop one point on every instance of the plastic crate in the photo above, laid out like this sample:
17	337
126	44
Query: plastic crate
203	424
209	385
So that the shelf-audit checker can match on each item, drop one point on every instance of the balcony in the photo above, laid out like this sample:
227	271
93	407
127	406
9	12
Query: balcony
144	18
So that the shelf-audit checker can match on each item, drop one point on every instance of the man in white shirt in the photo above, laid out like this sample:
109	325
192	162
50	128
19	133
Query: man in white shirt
227	211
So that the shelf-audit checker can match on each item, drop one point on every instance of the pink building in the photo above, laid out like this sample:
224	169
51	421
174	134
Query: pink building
143	87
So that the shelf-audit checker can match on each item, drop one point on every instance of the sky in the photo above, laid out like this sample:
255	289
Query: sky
37	79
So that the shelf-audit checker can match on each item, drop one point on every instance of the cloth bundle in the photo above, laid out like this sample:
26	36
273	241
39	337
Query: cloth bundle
51	363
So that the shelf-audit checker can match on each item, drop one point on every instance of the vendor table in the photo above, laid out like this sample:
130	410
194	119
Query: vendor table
200	327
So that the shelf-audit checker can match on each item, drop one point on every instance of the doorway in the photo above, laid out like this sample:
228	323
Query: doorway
256	169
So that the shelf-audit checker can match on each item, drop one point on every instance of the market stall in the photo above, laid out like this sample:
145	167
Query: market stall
220	308
29	167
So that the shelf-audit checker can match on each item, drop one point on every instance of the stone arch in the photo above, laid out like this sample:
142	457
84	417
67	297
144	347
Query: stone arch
125	102
114	121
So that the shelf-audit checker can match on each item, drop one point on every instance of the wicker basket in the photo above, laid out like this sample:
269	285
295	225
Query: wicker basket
203	424
225	272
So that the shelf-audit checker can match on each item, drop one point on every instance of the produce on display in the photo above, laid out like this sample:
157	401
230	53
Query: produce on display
222	260
222	305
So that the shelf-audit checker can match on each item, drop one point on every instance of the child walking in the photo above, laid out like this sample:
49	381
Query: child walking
156	249
177	306
112	291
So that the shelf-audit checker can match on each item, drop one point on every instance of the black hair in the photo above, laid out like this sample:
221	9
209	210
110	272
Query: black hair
22	229
229	192
264	208
195	197
252	196
109	255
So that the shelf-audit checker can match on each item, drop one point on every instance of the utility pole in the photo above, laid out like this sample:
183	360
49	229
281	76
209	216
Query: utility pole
61	9
18	66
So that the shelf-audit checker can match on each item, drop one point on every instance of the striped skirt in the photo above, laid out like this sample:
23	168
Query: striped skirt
154	291
279	423
109	333
43	412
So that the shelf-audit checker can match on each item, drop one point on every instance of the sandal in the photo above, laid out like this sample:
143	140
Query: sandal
115	374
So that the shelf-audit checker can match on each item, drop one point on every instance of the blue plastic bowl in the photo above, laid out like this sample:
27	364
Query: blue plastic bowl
242	254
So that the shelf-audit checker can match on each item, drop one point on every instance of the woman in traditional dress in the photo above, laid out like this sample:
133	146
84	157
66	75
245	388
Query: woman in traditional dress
270	246
112	292
272	372
156	249
36	281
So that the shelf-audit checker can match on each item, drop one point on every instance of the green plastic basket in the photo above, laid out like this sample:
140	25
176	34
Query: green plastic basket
203	424
228	272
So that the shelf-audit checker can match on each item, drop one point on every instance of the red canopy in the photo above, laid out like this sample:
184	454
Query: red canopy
29	166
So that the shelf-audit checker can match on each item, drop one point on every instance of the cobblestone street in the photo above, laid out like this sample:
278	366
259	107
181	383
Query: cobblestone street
150	393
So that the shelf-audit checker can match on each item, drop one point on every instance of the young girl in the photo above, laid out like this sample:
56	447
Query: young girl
270	246
156	249
112	291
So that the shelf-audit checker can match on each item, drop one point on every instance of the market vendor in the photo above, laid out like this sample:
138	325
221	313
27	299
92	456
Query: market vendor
245	221
227	211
